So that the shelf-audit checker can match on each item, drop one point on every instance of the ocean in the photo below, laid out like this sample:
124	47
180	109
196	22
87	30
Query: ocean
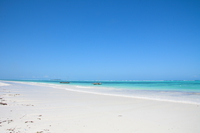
173	91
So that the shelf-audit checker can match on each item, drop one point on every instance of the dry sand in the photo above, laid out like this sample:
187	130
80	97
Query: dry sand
41	108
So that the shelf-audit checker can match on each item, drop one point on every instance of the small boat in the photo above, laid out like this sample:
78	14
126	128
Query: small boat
65	82
96	83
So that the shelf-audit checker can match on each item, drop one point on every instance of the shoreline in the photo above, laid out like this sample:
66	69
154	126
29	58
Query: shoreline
96	91
44	109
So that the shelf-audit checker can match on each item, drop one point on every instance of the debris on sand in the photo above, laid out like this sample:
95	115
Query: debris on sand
3	103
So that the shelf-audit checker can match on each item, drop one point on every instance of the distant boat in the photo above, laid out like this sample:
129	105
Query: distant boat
96	83
65	82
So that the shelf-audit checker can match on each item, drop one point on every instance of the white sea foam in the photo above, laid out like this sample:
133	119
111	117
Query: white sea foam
83	87
167	96
138	97
3	84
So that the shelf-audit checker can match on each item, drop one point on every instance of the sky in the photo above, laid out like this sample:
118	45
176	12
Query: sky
100	39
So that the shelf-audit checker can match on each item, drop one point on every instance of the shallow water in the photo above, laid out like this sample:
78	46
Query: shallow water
174	91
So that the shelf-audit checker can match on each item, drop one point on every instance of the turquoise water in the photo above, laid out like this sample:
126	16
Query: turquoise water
186	86
176	91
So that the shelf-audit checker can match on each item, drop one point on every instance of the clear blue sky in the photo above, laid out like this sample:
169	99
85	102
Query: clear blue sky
100	39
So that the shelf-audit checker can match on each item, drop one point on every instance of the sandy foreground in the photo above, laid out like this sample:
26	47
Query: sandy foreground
42	108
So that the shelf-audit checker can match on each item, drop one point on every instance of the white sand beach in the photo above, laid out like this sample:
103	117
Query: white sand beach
42	108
